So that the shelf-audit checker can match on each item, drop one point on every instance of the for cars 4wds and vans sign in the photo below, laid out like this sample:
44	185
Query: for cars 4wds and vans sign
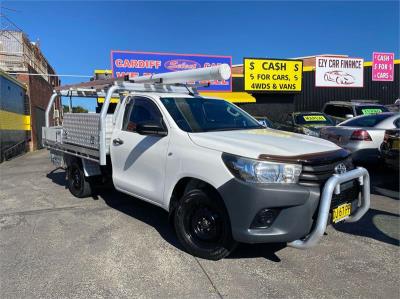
272	75
339	72
147	63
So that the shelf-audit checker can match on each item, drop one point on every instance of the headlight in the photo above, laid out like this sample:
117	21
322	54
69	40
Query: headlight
310	132
257	171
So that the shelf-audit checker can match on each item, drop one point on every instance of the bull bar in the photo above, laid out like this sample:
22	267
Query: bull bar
333	186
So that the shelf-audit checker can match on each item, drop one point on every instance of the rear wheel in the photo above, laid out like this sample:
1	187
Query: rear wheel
202	225
78	184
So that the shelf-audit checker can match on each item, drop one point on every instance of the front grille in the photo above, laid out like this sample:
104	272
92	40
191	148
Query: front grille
317	175
347	195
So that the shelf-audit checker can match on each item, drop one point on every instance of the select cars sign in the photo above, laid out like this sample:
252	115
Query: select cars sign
382	66
339	72
136	64
272	75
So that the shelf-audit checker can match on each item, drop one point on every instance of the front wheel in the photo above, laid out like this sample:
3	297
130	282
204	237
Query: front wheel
202	226
78	184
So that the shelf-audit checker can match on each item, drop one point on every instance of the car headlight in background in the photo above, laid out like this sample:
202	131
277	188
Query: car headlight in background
257	171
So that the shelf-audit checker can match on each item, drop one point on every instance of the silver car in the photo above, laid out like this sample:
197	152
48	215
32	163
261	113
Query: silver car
362	135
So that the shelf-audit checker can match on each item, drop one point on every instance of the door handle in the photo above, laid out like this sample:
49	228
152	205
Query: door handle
118	141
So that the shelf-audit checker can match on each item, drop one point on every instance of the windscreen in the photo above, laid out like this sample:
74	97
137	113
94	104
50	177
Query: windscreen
314	119
203	115
367	121
368	110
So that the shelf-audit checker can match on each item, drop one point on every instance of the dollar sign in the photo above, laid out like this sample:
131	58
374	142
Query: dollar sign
252	65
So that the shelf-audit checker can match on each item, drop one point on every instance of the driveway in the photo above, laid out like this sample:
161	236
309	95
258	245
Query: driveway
53	245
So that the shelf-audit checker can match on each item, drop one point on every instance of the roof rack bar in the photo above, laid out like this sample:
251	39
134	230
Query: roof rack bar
219	72
102	124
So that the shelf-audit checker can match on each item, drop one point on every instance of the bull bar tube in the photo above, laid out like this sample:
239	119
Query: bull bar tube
333	186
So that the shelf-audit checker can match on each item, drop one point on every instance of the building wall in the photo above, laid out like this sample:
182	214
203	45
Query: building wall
313	98
14	122
19	55
39	92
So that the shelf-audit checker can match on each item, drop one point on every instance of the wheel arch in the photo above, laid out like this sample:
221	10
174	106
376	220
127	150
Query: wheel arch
186	184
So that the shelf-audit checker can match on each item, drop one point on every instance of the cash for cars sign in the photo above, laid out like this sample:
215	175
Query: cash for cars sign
272	75
339	72
136	64
382	66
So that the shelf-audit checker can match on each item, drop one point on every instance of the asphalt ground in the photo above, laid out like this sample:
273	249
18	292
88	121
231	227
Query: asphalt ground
53	245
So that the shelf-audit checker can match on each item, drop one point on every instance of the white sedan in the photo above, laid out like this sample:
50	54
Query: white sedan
362	135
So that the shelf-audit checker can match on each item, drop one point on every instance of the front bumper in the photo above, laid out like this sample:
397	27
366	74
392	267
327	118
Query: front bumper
298	222
333	186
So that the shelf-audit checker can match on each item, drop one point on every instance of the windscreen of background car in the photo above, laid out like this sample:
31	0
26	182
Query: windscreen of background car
264	122
202	115
368	110
313	119
367	121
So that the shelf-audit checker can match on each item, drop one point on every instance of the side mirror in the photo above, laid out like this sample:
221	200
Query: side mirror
348	116
151	129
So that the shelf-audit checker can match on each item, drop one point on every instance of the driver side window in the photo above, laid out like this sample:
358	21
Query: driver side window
140	111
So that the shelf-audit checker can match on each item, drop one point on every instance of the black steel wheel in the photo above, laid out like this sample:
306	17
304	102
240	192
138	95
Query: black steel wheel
202	225
78	184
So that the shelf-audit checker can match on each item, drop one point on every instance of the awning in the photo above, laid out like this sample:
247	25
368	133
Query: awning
234	97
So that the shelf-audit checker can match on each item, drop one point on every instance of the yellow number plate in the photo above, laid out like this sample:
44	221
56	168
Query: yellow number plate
341	212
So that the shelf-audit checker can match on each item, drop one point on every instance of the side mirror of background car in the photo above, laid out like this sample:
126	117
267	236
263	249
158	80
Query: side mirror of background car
348	116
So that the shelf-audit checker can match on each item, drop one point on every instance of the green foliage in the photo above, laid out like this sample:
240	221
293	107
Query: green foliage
77	109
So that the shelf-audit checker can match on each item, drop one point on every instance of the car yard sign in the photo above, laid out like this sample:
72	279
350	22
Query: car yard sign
272	75
339	72
382	66
136	64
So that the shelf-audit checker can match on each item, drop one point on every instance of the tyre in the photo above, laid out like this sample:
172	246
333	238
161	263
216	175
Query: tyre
202	225
78	184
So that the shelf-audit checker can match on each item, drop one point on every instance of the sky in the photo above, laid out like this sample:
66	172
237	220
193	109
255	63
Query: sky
77	36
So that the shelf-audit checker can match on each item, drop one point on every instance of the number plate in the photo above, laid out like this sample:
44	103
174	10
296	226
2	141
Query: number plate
341	212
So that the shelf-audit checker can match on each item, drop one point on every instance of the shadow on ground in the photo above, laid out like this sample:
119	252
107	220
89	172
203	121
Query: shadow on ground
375	224
58	177
158	218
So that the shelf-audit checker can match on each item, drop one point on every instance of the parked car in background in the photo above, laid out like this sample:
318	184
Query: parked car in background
342	110
362	135
308	123
390	149
394	107
265	121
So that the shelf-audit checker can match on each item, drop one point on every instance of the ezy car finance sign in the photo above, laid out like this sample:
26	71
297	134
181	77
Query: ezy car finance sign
339	72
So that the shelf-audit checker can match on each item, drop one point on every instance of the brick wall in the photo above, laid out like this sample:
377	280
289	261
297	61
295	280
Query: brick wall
38	95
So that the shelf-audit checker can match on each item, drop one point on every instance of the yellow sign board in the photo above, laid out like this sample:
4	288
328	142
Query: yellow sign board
314	118
272	75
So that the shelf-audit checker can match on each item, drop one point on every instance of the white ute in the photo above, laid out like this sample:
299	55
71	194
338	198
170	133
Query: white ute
222	177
